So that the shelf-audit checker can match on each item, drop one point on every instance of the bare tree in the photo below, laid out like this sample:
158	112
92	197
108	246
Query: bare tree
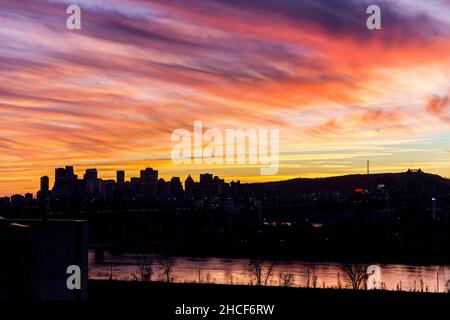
145	270
230	278
209	279
167	266
314	281
259	271
339	283
356	275
111	273
286	279
255	271
307	279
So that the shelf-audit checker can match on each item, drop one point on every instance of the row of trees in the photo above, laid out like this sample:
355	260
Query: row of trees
146	270
259	271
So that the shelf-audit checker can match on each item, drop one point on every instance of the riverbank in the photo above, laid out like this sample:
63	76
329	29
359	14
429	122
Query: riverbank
289	303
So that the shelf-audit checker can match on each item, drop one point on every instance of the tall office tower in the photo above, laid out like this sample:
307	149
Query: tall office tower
120	177
91	181
43	193
149	176
218	185
44	185
65	180
189	186
149	182
206	184
176	188
162	188
90	175
69	171
206	178
60	175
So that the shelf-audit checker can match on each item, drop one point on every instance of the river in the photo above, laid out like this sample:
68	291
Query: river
123	266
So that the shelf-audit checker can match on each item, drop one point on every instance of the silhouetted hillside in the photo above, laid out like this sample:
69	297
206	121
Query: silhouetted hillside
413	183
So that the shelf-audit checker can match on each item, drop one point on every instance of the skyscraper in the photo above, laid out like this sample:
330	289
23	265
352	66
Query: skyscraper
69	171
60	175
91	181
176	188
120	177
43	193
206	183
189	186
90	175
149	176
149	182
65	181
44	185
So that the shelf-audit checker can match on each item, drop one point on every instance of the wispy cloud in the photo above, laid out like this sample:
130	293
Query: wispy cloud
111	94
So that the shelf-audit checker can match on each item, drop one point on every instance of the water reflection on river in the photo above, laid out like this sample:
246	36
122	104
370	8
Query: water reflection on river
234	270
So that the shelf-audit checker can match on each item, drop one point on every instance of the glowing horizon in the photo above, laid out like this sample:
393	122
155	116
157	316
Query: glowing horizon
109	96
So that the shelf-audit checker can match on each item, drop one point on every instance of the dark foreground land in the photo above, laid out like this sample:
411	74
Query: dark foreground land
160	300
129	300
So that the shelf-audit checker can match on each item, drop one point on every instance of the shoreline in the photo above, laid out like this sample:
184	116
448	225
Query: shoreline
247	253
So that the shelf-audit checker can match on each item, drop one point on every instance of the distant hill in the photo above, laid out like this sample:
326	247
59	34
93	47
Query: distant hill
411	182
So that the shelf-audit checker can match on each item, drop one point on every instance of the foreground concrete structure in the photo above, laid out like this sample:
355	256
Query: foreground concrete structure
35	255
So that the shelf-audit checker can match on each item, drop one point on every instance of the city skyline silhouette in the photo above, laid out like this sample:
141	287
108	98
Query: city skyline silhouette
114	91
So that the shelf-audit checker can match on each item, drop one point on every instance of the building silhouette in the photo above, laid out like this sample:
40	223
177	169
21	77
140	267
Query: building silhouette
43	192
120	177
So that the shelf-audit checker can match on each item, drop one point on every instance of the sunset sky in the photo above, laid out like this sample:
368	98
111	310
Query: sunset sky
110	95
